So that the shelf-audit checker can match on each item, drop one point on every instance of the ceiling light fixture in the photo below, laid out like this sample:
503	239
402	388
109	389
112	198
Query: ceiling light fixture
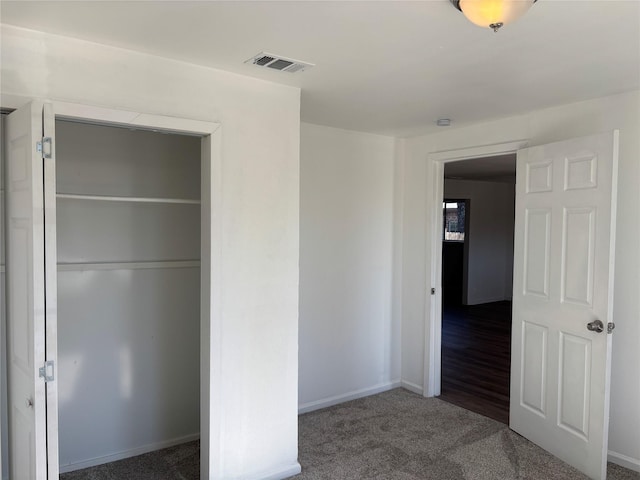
493	13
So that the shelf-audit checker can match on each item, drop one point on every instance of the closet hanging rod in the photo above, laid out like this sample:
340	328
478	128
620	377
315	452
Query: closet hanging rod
110	198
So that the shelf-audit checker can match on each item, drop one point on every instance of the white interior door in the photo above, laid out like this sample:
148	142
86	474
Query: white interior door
563	278
28	301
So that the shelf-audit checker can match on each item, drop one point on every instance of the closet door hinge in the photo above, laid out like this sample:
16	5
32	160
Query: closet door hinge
45	147
47	372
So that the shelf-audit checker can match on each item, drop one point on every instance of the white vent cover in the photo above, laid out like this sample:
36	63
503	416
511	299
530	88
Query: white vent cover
278	62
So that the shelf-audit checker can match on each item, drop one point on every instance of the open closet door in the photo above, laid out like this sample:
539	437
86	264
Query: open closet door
31	295
563	298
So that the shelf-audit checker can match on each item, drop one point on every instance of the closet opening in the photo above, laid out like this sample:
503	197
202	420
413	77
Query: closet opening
128	281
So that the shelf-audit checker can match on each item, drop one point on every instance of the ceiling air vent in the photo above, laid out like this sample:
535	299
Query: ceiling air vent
277	62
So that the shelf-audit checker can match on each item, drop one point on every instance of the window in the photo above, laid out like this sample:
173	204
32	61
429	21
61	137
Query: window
454	220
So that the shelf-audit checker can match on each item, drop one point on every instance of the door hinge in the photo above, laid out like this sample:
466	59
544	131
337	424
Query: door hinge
47	372
610	327
45	147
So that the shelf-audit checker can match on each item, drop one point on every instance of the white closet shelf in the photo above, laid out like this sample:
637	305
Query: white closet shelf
112	198
85	266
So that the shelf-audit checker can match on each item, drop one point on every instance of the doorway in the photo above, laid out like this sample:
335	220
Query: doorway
564	408
477	265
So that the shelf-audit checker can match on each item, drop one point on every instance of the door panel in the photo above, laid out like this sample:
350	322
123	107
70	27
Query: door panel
26	305
25	294
534	372
574	384
578	256
563	276
536	251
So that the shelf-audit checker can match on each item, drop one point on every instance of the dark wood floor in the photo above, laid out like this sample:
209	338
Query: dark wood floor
476	358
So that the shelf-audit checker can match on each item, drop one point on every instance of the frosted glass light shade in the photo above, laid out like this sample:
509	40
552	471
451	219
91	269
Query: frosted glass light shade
487	13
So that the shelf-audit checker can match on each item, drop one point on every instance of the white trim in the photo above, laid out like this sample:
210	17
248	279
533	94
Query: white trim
211	282
335	400
433	312
82	267
210	212
445	156
113	198
134	452
112	116
412	387
433	329
278	473
51	291
624	461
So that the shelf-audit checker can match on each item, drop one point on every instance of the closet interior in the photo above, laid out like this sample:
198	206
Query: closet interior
128	246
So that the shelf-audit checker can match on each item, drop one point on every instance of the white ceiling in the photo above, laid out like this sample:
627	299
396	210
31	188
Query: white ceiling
389	67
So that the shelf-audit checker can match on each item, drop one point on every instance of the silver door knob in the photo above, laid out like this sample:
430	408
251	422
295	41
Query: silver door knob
595	326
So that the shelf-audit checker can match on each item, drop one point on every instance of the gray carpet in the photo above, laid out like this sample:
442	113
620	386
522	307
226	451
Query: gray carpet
399	435
395	435
181	462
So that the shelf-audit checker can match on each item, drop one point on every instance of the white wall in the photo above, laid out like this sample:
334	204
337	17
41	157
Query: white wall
349	338
490	237
255	413
544	126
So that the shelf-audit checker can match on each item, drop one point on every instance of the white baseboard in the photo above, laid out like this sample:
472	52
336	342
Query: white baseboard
279	473
412	387
624	461
335	400
134	452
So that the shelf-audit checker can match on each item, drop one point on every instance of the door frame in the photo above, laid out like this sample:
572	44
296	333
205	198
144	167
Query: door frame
465	246
210	242
432	362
